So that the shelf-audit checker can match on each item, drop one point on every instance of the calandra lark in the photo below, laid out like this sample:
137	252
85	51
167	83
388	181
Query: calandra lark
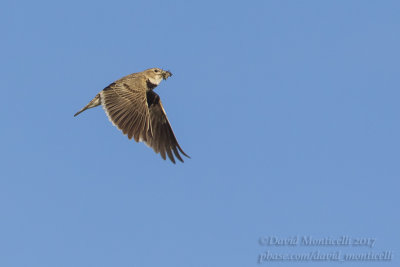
132	106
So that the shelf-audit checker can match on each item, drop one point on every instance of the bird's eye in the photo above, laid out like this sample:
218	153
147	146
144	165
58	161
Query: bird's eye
156	70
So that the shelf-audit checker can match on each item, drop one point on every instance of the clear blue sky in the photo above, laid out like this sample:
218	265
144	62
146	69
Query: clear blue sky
289	110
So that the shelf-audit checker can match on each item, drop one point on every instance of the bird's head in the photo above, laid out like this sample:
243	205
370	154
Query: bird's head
156	75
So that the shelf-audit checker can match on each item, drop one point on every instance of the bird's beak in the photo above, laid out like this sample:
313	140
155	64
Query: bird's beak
166	74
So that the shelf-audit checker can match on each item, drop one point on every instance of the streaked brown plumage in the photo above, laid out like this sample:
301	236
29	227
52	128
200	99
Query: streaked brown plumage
133	107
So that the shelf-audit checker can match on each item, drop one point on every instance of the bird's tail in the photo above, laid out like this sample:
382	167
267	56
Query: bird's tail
94	103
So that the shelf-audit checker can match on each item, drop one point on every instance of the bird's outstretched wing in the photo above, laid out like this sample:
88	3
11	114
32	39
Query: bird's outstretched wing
160	136
127	109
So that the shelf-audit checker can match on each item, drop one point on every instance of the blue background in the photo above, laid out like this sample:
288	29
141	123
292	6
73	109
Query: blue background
289	110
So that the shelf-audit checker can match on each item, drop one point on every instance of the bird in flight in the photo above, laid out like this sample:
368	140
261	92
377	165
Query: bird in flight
133	107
